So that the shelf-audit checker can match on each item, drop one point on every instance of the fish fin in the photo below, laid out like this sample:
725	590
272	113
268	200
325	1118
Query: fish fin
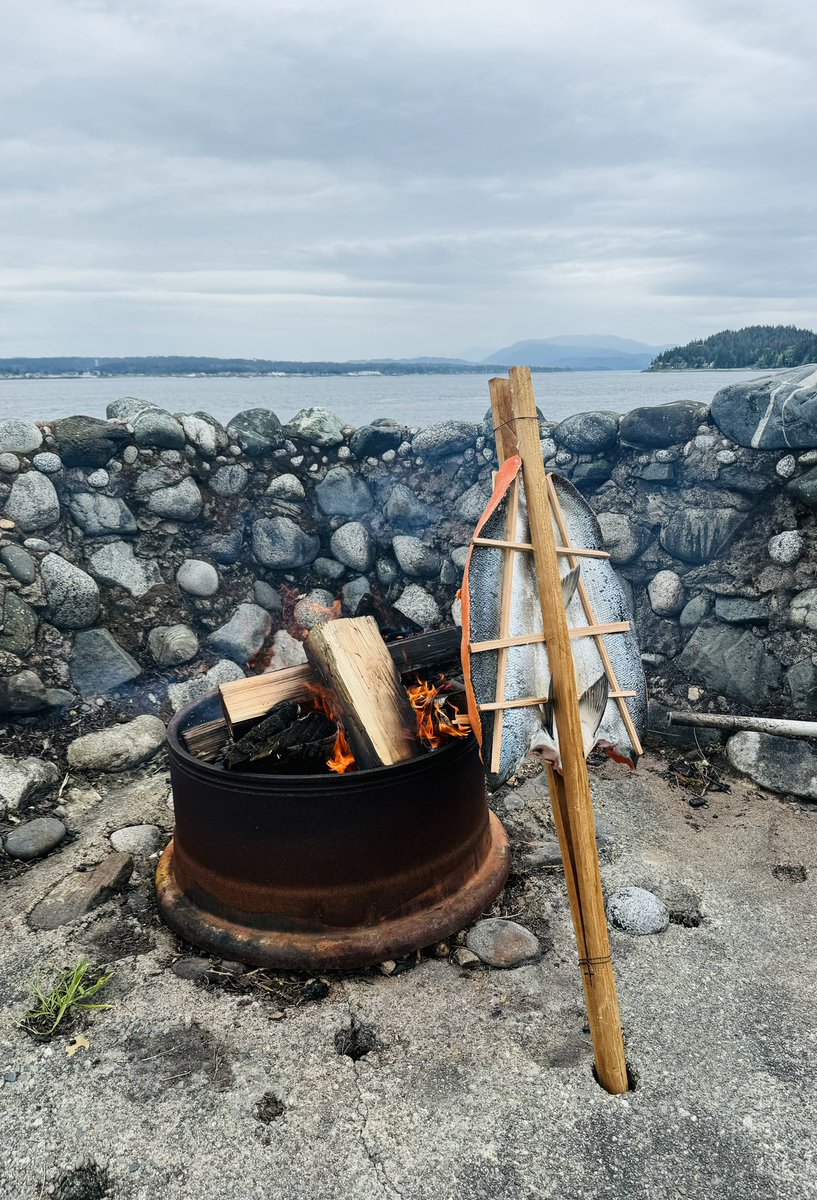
570	582
546	710
591	710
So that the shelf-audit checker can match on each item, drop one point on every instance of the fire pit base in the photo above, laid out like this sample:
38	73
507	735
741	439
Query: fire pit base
341	948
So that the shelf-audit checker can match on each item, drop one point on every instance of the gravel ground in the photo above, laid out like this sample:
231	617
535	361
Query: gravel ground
478	1083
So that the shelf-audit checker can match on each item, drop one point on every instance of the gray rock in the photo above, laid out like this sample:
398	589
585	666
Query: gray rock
287	487
416	604
197	578
803	610
738	479
98	516
129	455
352	546
23	693
119	747
698	535
256	430
804	489
586	476
137	839
279	543
172	645
100	665
182	502
695	611
370	441
191	969
19	626
268	597
48	463
623	538
200	686
128	407
155	478
24	780
666	594
328	568
117	565
71	594
35	838
224	547
9	464
786	466
771	413
471	504
99	478
415	558
19	437
661	424
19	563
158	429
658	472
587	432
801	680
244	634
87	441
33	502
501	943
354	591
342	493
731	662
637	911
229	480
777	763
205	433
741	610
318	426
787	548
80	894
386	571
445	438
287	651
315	608
405	509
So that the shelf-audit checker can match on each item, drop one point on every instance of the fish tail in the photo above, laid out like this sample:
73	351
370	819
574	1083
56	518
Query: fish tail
570	582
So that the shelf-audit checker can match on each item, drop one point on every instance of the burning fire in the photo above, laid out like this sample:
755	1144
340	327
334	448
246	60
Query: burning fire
434	724
437	719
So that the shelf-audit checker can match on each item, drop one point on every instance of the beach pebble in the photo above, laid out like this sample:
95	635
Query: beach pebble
637	911
34	838
197	578
119	747
137	839
501	943
787	547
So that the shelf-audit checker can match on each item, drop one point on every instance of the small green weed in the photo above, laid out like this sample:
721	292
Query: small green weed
62	998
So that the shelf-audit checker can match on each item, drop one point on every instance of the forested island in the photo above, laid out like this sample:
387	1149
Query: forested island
756	346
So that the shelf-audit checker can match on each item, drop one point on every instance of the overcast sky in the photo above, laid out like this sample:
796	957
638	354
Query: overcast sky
371	177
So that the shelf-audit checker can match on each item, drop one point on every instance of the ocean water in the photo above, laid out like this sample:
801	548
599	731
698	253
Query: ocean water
413	399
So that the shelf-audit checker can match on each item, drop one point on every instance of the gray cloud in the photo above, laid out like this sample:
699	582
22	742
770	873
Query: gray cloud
356	178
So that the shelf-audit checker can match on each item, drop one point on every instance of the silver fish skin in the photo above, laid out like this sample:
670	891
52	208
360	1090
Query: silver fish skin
528	671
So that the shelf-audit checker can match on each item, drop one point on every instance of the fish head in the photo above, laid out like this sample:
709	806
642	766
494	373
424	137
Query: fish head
621	752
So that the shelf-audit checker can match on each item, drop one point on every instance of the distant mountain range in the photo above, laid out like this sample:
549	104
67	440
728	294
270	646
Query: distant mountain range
578	352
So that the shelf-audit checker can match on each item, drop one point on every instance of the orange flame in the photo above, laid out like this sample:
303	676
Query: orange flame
342	759
434	724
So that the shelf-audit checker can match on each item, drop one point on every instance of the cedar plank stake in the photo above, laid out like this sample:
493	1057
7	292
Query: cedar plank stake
351	659
572	803
246	700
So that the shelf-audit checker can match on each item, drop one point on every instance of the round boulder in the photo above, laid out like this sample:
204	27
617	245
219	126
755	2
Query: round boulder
197	578
19	437
171	645
279	543
33	502
352	546
501	943
588	432
637	911
72	595
666	594
256	430
118	748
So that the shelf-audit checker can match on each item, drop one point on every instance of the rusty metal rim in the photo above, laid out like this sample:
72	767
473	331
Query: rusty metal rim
253	781
342	949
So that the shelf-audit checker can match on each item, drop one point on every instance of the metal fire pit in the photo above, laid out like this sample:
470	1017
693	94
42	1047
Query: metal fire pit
314	872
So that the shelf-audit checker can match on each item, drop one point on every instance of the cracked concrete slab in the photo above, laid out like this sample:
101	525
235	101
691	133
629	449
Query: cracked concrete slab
482	1087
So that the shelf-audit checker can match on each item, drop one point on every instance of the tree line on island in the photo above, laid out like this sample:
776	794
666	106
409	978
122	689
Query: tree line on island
756	346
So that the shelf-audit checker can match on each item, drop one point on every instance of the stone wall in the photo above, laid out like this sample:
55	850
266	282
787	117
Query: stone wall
150	555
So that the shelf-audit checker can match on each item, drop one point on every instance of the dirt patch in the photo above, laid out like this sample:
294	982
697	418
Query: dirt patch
790	872
115	939
269	1108
356	1041
161	1059
88	1182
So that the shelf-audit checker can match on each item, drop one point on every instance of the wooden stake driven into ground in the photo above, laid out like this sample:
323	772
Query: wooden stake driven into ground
351	659
515	410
